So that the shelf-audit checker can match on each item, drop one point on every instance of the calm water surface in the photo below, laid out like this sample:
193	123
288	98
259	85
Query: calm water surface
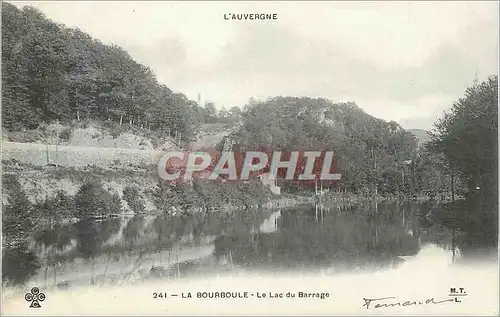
332	238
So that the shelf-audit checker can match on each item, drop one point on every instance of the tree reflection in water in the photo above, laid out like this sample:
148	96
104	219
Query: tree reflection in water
341	237
19	264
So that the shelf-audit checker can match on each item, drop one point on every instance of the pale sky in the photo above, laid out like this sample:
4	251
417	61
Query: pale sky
401	61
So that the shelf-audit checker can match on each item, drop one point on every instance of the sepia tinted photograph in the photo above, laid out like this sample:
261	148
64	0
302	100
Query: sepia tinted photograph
195	158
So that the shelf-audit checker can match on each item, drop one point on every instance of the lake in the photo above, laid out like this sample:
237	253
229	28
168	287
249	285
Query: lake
329	238
341	249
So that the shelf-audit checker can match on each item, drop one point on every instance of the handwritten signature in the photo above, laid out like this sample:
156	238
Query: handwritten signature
368	302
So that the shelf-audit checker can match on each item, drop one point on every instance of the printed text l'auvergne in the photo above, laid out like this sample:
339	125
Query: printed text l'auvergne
250	16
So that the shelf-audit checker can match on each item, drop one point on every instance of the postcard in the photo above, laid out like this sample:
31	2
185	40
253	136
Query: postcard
175	158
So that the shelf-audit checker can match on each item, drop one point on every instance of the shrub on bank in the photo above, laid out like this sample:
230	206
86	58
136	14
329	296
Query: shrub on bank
131	195
93	200
208	195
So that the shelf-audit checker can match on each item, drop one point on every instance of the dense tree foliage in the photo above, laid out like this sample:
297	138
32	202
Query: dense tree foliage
50	72
467	137
371	152
430	175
